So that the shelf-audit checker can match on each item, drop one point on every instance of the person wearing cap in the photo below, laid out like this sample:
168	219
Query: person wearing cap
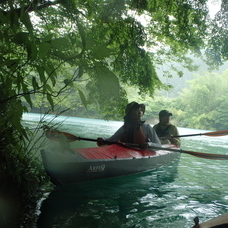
134	130
165	130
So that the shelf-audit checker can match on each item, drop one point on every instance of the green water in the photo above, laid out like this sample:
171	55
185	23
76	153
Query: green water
171	196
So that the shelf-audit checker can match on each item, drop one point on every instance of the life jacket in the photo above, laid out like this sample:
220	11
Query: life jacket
162	132
132	135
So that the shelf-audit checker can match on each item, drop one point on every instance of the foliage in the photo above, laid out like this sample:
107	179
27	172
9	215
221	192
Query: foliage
204	103
21	175
217	47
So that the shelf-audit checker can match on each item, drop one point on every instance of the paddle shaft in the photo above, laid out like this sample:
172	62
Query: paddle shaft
56	135
196	154
213	134
179	136
95	140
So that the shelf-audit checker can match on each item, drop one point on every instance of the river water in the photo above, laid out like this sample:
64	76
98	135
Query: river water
170	196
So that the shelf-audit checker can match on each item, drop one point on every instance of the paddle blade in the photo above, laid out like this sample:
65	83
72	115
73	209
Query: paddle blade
197	154
58	136
217	133
206	155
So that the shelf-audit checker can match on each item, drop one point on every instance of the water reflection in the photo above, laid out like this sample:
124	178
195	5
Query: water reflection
108	203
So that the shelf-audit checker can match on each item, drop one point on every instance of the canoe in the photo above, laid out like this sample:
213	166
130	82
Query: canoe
219	222
67	166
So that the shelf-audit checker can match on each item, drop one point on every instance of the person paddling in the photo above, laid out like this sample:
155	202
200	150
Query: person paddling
134	130
165	130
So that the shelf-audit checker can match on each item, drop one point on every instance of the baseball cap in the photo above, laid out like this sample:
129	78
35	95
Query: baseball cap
165	113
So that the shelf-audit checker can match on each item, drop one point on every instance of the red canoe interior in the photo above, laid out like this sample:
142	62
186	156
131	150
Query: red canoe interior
113	151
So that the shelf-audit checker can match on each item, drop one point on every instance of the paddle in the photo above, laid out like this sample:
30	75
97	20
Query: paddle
212	134
197	154
57	136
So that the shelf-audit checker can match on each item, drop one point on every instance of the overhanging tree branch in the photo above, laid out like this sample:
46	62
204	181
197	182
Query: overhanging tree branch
33	6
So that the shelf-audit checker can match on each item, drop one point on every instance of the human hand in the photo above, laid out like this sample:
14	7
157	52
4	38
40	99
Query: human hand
169	136
165	141
100	141
174	141
143	146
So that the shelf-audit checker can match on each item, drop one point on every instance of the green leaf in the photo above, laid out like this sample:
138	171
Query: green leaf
13	19
21	38
12	63
34	83
15	120
82	34
68	82
90	42
47	87
80	71
19	81
44	48
60	43
48	38
32	51
25	19
83	98
41	73
8	82
51	73
28	99
50	100
101	52
25	88
107	82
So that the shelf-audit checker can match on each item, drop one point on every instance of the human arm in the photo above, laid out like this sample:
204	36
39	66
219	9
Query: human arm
153	140
114	138
174	132
117	135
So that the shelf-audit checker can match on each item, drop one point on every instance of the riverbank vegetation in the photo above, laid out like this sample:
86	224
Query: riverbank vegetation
95	50
201	105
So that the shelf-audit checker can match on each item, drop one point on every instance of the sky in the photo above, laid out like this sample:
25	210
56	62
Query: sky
214	6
